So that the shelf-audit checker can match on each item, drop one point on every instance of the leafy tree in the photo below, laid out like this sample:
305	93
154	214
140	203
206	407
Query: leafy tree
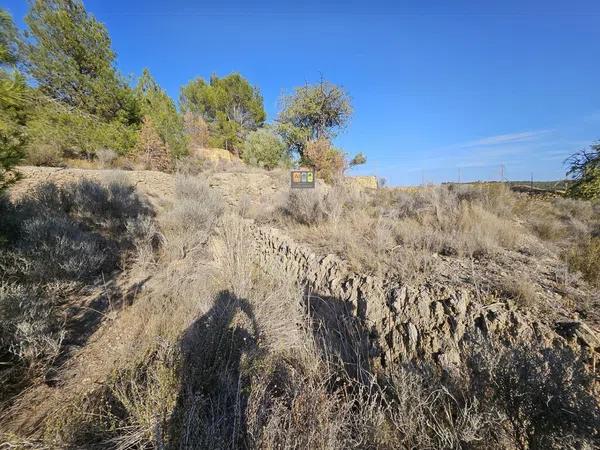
69	54
160	108
313	112
230	105
265	149
13	113
584	167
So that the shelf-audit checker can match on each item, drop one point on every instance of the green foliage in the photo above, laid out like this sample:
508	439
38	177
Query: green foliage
13	113
230	105
73	133
70	57
313	112
160	108
264	148
584	167
8	39
358	159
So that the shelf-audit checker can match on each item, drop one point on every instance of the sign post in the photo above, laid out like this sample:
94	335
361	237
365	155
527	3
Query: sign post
302	179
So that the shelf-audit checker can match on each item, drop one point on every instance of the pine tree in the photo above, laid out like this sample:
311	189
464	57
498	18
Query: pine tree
157	105
69	55
12	102
231	106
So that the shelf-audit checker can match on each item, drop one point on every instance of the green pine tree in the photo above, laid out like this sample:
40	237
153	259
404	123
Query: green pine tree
157	105
13	111
231	106
68	53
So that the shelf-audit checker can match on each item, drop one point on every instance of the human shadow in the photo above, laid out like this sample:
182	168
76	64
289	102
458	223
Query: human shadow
216	348
341	336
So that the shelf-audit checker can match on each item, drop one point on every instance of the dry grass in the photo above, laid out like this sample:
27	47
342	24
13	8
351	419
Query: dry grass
401	233
520	289
226	353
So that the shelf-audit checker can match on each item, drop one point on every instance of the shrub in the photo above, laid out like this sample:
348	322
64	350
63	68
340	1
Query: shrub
150	150
58	240
197	211
585	257
305	206
328	161
74	133
521	290
106	157
544	395
196	128
31	329
265	149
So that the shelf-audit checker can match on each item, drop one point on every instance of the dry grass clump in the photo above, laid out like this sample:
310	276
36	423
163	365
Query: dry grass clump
196	212
585	258
56	240
393	231
520	289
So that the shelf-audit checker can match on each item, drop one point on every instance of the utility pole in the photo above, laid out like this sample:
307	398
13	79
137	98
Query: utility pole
501	172
459	175
532	181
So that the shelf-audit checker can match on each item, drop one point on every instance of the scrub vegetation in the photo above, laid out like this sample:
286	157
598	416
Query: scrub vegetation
147	304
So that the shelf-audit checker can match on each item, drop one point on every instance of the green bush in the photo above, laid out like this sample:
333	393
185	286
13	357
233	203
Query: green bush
584	167
12	103
265	149
75	134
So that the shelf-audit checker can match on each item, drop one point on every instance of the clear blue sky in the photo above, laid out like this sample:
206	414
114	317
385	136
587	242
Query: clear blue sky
436	85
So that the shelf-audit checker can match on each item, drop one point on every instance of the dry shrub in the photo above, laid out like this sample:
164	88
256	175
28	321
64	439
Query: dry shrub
521	289
196	212
324	203
233	253
31	328
585	258
145	395
305	206
328	161
106	157
45	155
196	128
151	150
543	396
59	239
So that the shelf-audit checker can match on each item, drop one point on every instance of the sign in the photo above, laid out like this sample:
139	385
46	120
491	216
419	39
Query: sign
303	178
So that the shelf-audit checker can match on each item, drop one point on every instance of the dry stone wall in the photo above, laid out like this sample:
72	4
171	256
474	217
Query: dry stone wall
430	322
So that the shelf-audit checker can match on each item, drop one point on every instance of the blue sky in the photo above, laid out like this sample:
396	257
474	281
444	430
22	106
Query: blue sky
437	86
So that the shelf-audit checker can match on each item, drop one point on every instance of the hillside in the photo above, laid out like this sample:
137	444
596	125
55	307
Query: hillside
238	314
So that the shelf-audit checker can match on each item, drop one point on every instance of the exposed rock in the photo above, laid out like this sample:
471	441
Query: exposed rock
406	323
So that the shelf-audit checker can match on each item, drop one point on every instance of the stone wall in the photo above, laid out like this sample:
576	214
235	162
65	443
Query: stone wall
431	322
